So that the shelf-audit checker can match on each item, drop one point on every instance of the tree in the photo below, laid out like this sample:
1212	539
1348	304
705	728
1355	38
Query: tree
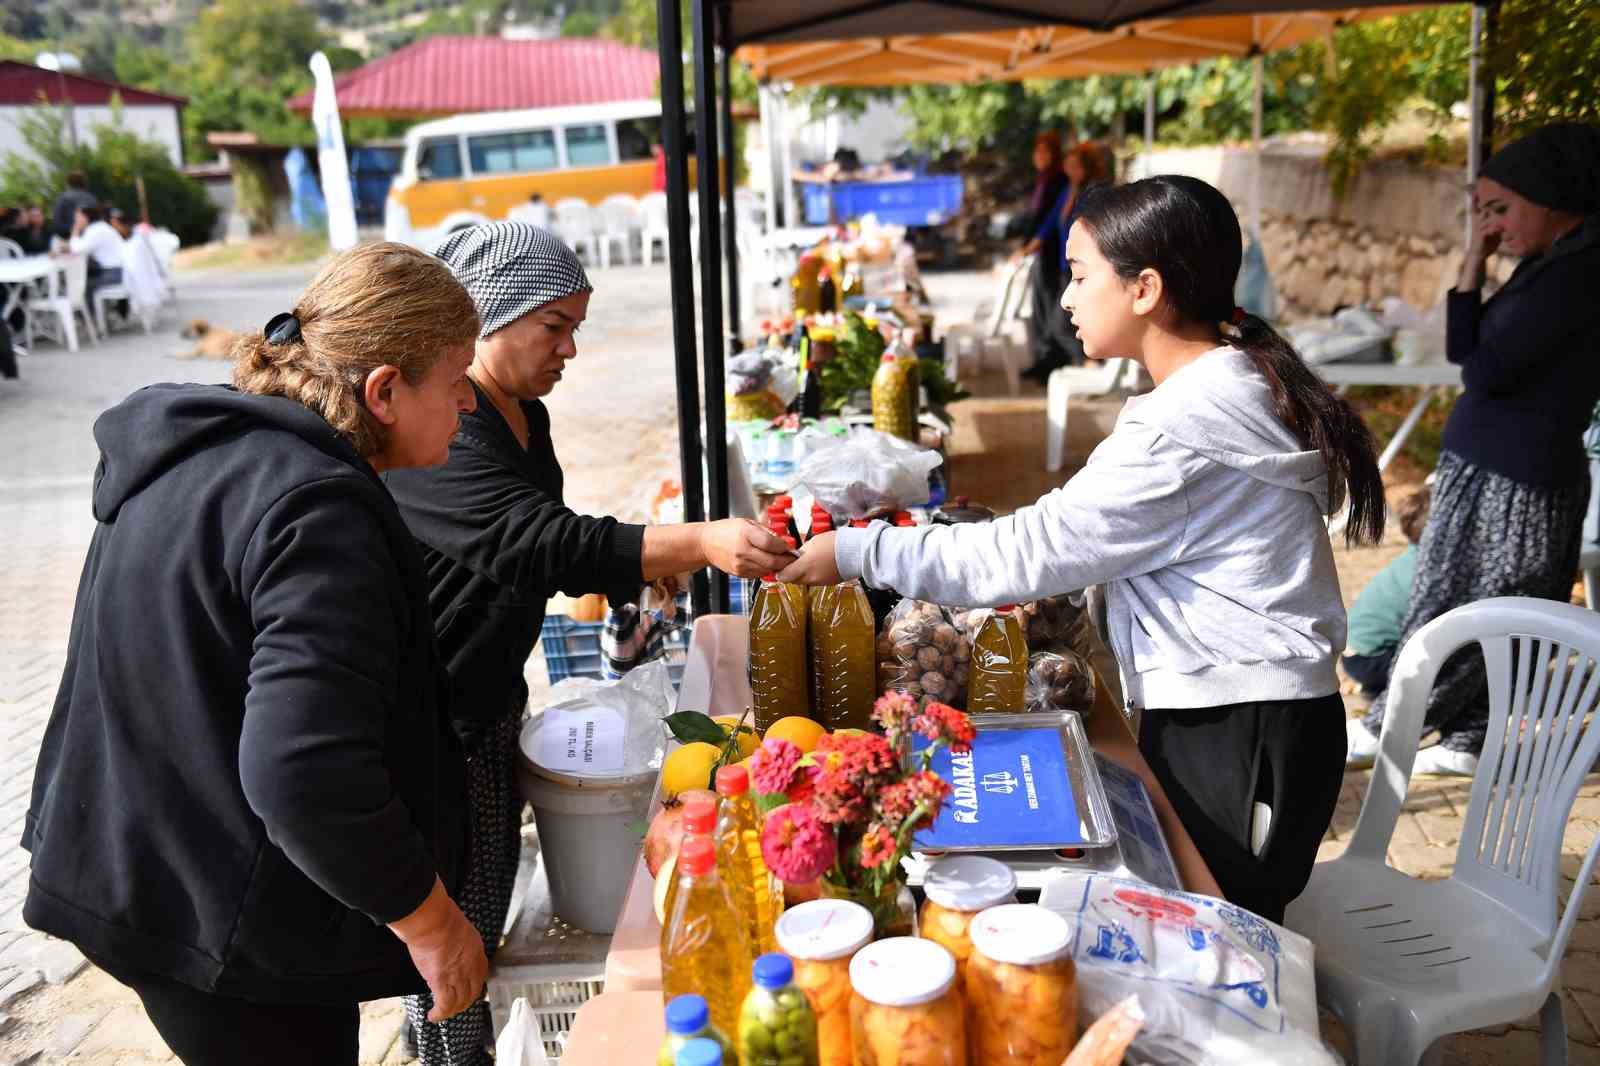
581	24
254	42
114	160
1547	63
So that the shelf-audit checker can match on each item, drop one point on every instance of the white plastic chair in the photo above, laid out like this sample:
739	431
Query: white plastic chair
575	224
10	249
142	286
1065	382
621	218
165	244
996	327
1404	962
654	207
1589	548
62	302
535	214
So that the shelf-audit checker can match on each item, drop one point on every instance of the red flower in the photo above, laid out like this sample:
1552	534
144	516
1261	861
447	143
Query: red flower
940	721
877	847
928	789
895	804
773	766
850	770
894	712
795	845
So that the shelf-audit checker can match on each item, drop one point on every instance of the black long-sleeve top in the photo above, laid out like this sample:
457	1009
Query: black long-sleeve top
1530	361
497	540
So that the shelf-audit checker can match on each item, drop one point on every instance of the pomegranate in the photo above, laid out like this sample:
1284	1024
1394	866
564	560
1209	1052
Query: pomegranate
666	830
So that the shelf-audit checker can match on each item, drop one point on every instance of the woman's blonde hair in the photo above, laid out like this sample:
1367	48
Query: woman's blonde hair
377	305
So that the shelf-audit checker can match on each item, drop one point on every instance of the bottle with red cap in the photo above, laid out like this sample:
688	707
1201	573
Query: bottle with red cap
997	679
779	686
705	942
699	820
738	837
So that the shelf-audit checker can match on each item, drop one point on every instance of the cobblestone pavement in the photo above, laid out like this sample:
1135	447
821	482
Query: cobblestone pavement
614	419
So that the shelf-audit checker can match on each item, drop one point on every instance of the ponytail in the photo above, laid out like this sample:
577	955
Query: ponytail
1324	421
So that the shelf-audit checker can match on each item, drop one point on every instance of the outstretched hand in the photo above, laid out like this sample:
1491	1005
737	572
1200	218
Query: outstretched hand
817	564
740	547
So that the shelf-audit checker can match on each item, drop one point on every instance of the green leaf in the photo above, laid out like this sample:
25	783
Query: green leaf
687	727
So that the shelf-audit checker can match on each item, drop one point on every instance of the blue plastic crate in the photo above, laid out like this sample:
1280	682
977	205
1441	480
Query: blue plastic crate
572	649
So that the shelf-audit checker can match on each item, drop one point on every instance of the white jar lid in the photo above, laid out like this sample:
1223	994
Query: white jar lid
824	929
1023	934
969	883
902	971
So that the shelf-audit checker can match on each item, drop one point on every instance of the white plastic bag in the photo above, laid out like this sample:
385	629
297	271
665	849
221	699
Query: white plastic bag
521	1043
868	473
1218	984
595	728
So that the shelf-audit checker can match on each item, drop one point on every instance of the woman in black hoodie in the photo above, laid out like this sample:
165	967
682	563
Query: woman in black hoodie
249	803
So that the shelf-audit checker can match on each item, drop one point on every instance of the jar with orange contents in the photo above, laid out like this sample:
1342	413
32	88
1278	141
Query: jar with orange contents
904	1008
958	888
821	937
1022	987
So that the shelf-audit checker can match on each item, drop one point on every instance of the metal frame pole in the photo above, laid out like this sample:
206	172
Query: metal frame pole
1149	123
673	129
707	170
729	203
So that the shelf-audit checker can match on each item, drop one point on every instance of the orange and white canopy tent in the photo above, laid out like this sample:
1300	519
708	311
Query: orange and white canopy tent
1051	52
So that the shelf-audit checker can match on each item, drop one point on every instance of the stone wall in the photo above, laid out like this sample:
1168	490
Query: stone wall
1397	232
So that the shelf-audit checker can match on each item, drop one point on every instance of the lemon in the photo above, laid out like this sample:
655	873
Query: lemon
688	768
803	733
748	740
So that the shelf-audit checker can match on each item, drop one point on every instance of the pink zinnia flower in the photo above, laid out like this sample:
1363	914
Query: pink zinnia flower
795	845
894	711
773	765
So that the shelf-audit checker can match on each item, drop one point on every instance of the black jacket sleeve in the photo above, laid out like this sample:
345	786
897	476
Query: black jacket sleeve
1499	343
325	599
489	518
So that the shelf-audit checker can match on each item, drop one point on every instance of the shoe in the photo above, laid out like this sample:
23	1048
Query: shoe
1442	761
1362	749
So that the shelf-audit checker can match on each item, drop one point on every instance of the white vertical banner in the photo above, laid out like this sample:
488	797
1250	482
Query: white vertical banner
331	158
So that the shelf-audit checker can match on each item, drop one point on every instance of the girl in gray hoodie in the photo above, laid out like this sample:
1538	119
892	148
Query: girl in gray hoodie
1203	517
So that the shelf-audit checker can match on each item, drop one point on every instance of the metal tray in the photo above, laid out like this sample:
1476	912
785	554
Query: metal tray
1096	827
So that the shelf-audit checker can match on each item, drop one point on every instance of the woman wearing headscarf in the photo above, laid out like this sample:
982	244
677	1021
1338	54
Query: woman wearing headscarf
1082	167
250	805
498	541
1512	482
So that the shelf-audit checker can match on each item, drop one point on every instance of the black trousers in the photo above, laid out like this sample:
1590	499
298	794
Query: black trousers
205	1029
1217	763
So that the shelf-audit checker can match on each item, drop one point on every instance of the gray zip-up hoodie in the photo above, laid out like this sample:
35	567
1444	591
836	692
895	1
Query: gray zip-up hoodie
1203	517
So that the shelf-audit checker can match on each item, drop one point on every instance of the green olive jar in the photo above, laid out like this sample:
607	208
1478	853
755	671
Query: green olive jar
776	1025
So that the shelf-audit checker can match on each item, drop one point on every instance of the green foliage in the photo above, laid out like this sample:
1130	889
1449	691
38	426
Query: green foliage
252	189
581	24
857	350
1547	63
113	164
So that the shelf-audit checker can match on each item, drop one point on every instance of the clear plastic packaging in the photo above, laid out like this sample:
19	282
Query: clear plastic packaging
924	650
1060	681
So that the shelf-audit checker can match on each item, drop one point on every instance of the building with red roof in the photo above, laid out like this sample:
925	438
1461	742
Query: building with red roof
25	88
456	75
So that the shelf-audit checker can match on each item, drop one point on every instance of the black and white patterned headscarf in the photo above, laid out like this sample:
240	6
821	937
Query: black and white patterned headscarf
511	268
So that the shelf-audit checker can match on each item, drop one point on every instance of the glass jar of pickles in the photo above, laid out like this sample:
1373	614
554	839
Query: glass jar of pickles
904	1008
821	937
958	888
1022	987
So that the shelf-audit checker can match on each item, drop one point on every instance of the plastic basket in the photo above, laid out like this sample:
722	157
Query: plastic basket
555	1003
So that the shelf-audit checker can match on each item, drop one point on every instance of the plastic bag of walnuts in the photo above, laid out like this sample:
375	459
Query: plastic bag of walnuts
925	650
1060	681
1056	624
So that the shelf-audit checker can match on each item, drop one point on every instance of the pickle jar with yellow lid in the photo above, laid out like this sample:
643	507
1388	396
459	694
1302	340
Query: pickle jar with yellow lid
904	1007
958	888
821	937
1022	987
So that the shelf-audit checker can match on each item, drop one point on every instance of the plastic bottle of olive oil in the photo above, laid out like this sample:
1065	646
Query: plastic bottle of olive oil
705	943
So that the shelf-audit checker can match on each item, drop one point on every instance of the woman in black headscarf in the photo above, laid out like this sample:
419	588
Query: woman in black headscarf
1513	481
498	540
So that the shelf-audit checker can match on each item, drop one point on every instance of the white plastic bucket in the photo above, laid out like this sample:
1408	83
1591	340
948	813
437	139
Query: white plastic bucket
588	835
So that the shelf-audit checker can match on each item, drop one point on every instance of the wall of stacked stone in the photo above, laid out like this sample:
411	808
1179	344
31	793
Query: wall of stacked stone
1397	232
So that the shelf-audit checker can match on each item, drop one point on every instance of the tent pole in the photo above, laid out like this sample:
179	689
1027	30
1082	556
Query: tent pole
1149	123
730	216
708	168
1257	65
673	127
